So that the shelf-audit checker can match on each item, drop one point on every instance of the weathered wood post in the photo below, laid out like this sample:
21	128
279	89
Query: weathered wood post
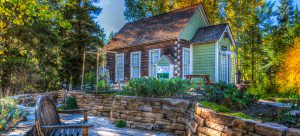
82	74
97	67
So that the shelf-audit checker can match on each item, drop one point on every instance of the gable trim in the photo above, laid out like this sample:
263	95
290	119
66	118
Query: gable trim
203	13
228	30
203	16
163	56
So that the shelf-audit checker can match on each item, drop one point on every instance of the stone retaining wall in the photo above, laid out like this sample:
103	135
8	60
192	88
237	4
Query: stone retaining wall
180	117
159	114
100	104
25	99
208	122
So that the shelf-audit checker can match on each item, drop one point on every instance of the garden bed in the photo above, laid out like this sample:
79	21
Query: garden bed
263	112
267	113
224	98
227	99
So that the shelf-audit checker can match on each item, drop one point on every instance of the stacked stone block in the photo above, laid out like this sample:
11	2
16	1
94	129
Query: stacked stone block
177	116
207	122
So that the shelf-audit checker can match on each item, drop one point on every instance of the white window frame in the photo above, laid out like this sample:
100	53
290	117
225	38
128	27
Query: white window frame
225	66
183	61
150	60
117	66
131	63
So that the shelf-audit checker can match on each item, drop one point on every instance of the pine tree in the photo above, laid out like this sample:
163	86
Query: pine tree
138	9
85	34
296	17
285	12
110	36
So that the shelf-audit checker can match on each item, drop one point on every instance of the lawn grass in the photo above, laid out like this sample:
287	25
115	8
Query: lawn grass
214	106
240	115
223	109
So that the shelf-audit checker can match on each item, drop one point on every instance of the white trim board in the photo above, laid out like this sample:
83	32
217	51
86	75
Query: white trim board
217	61
191	59
227	29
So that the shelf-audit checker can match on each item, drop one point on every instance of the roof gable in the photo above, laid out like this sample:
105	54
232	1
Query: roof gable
198	20
164	61
157	28
209	34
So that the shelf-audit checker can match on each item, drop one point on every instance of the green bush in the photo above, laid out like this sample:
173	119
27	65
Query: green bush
229	96
153	87
71	103
9	113
214	106
102	86
121	123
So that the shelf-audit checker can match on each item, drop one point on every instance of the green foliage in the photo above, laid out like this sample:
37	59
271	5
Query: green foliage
228	95
153	87
102	85
240	115
121	123
9	113
138	9
285	12
214	106
42	42
223	109
70	104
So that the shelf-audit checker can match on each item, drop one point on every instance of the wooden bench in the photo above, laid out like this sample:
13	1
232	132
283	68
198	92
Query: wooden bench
47	122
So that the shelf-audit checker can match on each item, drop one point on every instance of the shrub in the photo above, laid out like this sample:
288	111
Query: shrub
102	86
121	123
70	103
228	95
10	115
153	87
288	77
214	106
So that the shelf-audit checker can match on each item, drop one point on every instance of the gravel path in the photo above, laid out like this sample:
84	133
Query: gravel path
102	126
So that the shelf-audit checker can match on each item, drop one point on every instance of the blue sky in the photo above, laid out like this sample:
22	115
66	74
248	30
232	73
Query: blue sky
112	18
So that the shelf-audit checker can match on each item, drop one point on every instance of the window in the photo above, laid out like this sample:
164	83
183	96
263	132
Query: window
135	64
120	67
224	71
154	56
186	61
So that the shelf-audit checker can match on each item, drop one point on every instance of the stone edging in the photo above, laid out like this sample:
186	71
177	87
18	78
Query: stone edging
180	117
209	122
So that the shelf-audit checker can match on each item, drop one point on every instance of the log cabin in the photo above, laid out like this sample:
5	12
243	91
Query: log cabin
172	44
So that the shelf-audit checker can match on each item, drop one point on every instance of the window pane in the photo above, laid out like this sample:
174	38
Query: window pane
120	67
154	57
135	65
186	62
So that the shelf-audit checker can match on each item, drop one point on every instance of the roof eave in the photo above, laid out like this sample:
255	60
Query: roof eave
141	44
194	43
